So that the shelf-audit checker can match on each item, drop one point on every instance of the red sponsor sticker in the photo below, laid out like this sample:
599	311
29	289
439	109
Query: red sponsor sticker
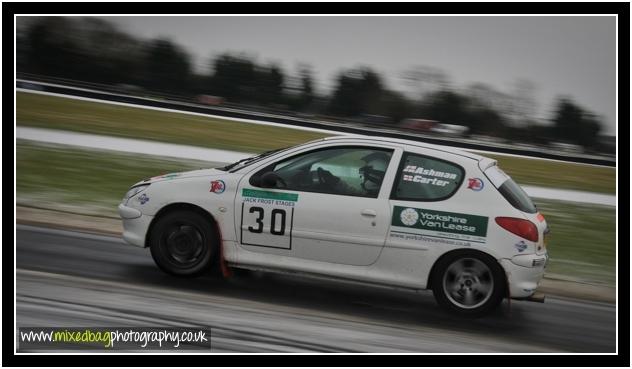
218	186
475	184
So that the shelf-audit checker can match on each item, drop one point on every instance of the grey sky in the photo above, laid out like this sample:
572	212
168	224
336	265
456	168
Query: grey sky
572	56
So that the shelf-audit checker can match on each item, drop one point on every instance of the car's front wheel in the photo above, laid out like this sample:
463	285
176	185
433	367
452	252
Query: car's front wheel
469	283
183	243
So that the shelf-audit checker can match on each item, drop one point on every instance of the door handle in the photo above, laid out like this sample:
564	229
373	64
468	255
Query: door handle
369	212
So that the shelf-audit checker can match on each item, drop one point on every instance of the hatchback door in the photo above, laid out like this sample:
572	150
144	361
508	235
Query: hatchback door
519	199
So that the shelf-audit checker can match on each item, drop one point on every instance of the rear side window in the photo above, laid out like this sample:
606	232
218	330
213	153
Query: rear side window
422	178
510	190
517	197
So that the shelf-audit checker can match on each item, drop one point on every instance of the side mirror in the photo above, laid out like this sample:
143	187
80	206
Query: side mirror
255	181
269	180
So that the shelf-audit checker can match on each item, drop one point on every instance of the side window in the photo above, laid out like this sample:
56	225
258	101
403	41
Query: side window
422	178
350	171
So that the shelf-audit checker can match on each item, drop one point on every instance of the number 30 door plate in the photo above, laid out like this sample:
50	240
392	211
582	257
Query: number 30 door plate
267	226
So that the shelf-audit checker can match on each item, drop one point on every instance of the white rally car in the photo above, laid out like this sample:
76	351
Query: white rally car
380	211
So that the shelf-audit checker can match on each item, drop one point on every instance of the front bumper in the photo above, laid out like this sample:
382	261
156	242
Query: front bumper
135	225
524	273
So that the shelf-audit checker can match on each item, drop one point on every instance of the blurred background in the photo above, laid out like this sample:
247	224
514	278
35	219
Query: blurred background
540	69
534	84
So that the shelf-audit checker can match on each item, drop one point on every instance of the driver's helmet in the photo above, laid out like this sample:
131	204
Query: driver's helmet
373	171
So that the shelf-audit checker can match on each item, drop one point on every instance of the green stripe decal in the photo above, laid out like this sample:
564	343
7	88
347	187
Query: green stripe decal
285	196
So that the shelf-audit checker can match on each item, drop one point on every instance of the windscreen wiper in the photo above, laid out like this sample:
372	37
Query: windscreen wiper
265	153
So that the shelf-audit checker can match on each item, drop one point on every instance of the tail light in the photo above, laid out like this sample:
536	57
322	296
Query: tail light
520	227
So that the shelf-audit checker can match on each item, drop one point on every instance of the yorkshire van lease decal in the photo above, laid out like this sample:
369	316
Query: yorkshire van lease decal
440	224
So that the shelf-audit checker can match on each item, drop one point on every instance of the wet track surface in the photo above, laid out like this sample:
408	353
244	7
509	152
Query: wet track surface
78	279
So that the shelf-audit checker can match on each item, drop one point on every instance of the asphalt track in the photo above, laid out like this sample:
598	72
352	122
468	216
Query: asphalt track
66	278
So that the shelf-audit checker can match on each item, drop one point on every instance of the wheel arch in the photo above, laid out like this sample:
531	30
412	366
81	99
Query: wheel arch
433	269
183	206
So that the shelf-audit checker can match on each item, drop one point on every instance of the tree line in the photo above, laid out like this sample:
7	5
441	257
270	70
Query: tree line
94	50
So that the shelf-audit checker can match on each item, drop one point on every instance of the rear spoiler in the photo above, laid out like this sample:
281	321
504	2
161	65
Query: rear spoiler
485	163
495	175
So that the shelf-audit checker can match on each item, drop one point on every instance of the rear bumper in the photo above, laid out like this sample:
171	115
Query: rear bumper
524	273
135	225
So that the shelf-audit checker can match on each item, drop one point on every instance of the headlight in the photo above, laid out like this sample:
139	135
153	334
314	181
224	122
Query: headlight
134	191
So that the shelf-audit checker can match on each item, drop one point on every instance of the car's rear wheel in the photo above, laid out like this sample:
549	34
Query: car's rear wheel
469	283
183	243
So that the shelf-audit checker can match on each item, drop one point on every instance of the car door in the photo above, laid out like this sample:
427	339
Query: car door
326	204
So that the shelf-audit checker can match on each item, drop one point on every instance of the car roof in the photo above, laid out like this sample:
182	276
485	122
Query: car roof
370	139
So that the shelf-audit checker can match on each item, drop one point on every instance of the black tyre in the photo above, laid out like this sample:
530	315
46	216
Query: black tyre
183	243
469	283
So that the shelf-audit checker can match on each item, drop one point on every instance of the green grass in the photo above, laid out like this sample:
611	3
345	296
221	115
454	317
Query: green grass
555	174
116	120
92	117
95	181
581	242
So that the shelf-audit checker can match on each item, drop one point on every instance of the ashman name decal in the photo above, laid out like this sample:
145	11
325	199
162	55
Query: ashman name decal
423	176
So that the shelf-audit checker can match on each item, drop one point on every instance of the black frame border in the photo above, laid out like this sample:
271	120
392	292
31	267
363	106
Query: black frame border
370	360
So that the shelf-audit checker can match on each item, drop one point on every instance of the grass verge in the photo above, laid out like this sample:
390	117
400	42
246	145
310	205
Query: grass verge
88	179
554	174
114	120
581	243
122	121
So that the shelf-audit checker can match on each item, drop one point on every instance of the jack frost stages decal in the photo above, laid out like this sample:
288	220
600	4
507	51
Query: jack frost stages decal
269	197
439	224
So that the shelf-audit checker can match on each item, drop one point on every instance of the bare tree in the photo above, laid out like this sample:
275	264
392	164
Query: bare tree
425	80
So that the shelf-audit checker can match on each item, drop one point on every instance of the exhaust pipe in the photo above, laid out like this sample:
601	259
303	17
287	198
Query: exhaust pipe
536	297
